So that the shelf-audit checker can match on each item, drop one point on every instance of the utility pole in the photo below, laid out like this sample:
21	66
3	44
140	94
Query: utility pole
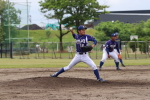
28	25
8	22
28	21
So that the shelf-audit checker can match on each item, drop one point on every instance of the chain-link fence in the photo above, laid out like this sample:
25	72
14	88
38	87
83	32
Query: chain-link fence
41	50
6	50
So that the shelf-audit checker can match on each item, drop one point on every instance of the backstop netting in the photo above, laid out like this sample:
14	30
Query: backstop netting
17	21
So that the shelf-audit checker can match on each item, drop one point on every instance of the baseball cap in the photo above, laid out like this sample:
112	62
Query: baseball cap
81	27
112	35
116	33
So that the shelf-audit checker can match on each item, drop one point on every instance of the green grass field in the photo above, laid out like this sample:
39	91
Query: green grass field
50	63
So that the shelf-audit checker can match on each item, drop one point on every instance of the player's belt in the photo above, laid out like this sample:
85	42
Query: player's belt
81	53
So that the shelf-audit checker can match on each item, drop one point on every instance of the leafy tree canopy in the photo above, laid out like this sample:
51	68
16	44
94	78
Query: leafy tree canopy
105	29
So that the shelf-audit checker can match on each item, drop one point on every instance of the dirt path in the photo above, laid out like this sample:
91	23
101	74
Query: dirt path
131	83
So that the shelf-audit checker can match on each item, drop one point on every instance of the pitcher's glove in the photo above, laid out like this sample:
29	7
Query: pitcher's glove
87	48
119	56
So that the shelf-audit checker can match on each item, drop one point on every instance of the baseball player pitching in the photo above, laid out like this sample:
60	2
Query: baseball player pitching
81	52
109	52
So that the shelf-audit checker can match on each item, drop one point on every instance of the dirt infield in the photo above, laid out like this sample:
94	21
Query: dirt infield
131	83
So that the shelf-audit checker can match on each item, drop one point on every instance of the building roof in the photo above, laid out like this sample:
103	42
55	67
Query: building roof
31	27
130	16
132	11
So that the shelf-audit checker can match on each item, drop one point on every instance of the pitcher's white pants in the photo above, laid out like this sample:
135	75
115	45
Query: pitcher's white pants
116	51
81	58
113	54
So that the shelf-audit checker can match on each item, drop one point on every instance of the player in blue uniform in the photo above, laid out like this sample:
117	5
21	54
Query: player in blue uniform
109	52
120	48
80	56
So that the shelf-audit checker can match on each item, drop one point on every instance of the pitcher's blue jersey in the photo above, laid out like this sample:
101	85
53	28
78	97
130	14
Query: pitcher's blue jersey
82	40
111	45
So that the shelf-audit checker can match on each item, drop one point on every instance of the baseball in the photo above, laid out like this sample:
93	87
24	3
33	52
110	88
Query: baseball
71	28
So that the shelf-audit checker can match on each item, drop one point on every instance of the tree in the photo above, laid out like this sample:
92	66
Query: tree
147	27
125	31
139	29
144	45
2	3
101	36
134	45
105	29
80	11
9	19
58	7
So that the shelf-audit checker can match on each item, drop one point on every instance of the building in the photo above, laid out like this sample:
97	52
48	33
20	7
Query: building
132	16
32	27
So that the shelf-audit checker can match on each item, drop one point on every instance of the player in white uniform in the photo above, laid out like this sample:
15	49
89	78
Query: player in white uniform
109	52
80	56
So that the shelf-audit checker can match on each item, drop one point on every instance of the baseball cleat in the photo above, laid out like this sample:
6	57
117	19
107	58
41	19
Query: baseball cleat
118	68
100	68
123	65
101	80
54	75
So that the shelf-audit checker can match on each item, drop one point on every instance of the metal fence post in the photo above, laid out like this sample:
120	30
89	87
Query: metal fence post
146	49
6	50
1	49
125	50
135	50
11	54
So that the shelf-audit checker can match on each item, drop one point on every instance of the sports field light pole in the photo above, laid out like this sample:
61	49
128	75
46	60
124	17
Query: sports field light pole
8	23
28	24
28	21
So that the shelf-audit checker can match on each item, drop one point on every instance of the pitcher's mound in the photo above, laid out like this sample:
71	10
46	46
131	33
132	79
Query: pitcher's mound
53	82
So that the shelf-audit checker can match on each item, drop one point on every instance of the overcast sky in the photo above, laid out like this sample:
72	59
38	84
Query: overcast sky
115	5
